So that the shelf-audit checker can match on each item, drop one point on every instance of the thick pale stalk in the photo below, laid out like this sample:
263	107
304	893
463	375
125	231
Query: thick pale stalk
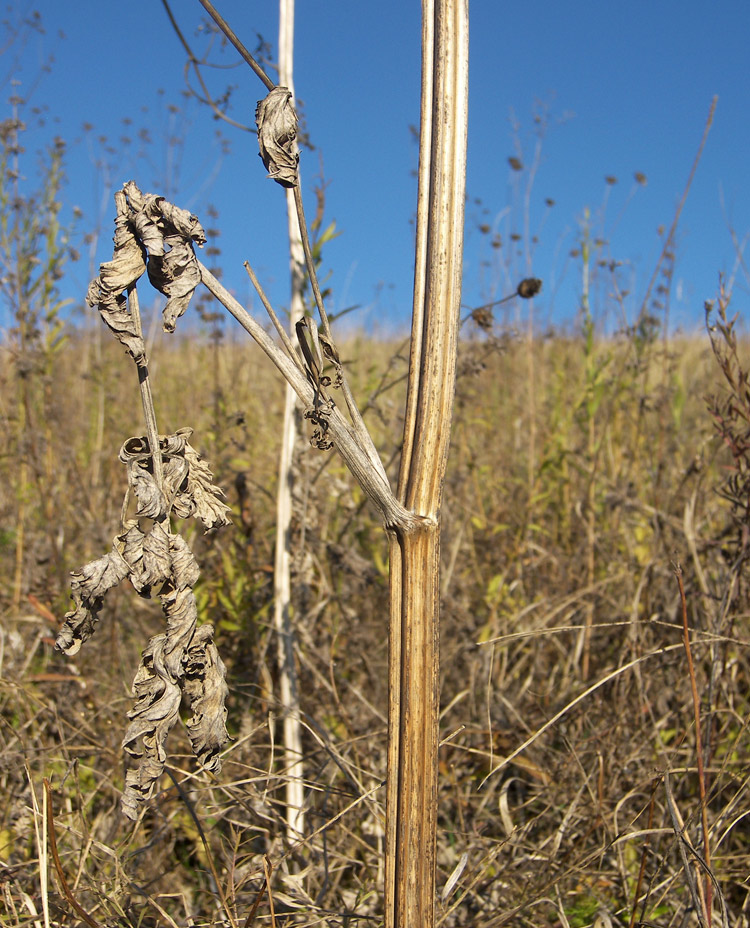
288	689
415	552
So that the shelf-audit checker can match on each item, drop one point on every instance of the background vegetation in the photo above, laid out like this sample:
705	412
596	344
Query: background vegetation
560	832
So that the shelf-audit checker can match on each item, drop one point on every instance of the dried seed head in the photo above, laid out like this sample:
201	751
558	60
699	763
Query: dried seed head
529	287
276	120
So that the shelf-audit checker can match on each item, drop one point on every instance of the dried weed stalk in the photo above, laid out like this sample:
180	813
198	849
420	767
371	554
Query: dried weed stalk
152	234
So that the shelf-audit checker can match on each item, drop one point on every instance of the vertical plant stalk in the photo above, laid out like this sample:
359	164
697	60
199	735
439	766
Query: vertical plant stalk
282	622
147	399
415	553
708	886
588	323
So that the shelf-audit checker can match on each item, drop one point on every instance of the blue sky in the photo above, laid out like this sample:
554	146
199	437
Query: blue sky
619	88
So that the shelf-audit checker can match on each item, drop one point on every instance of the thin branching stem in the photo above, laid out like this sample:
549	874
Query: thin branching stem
312	274
230	34
345	438
286	341
196	66
669	240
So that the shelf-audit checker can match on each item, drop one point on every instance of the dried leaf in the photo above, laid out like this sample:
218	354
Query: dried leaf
88	587
156	710
114	311
209	507
155	566
128	261
185	570
168	232
276	120
136	454
157	687
182	659
115	276
205	688
176	274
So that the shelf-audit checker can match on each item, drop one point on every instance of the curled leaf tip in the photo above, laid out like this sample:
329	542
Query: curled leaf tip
276	120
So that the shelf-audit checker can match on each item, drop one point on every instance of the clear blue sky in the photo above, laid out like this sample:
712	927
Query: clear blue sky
626	87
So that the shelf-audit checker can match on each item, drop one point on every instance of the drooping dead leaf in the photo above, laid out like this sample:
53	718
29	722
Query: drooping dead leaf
156	709
188	482
147	225
107	291
276	120
168	232
207	691
88	587
208	498
184	658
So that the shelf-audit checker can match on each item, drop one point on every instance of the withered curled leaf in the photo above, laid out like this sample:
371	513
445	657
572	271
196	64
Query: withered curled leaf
207	691
185	570
184	659
276	120
88	586
107	291
156	709
188	482
206	497
168	232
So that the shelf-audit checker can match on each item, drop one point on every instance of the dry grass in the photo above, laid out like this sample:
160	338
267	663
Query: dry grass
580	825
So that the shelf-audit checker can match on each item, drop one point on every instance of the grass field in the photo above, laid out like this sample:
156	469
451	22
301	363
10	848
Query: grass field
582	472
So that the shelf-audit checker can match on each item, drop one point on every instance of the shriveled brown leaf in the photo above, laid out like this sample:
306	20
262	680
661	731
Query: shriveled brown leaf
276	120
158	690
157	707
168	232
107	291
208	498
89	585
113	309
176	274
207	691
136	455
185	570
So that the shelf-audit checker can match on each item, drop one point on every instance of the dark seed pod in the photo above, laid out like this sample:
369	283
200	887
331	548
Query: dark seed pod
529	287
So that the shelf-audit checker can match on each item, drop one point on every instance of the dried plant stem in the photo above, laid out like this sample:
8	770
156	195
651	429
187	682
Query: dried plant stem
294	768
72	901
307	248
669	240
415	556
346	440
229	33
708	891
644	853
285	340
358	424
149	413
